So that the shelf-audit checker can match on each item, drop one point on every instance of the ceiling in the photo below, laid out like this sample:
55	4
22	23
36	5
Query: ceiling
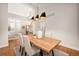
28	10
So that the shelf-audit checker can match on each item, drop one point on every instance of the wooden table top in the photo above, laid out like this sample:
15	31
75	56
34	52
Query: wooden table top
46	44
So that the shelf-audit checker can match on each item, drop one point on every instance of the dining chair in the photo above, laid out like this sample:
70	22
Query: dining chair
29	50
20	35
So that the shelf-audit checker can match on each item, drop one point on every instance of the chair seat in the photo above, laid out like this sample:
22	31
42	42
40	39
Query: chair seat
34	51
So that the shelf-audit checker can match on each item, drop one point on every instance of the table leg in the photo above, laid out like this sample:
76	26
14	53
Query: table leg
52	53
41	53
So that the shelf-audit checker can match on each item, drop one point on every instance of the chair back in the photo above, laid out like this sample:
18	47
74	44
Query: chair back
21	39
27	45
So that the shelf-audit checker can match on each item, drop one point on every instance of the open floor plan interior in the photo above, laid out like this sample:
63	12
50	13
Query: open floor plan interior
39	29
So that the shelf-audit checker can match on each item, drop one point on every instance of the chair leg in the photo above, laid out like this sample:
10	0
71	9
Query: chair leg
22	51
25	53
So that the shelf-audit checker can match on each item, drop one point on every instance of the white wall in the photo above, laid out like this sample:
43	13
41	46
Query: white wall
3	25
78	21
63	24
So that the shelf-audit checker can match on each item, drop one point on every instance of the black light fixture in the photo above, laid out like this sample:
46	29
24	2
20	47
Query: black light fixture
32	18
43	14
37	16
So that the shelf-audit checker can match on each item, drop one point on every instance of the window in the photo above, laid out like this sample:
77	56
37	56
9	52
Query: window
18	25
11	24
14	24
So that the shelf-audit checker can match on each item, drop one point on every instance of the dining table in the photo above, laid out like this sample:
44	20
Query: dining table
46	44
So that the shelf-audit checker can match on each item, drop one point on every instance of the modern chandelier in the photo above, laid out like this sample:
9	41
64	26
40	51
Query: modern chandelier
38	17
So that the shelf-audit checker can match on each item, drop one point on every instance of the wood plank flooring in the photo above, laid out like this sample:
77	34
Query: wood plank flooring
9	50
67	50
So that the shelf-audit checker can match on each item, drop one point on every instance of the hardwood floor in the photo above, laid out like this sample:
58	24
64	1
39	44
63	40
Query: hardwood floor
67	50
9	50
